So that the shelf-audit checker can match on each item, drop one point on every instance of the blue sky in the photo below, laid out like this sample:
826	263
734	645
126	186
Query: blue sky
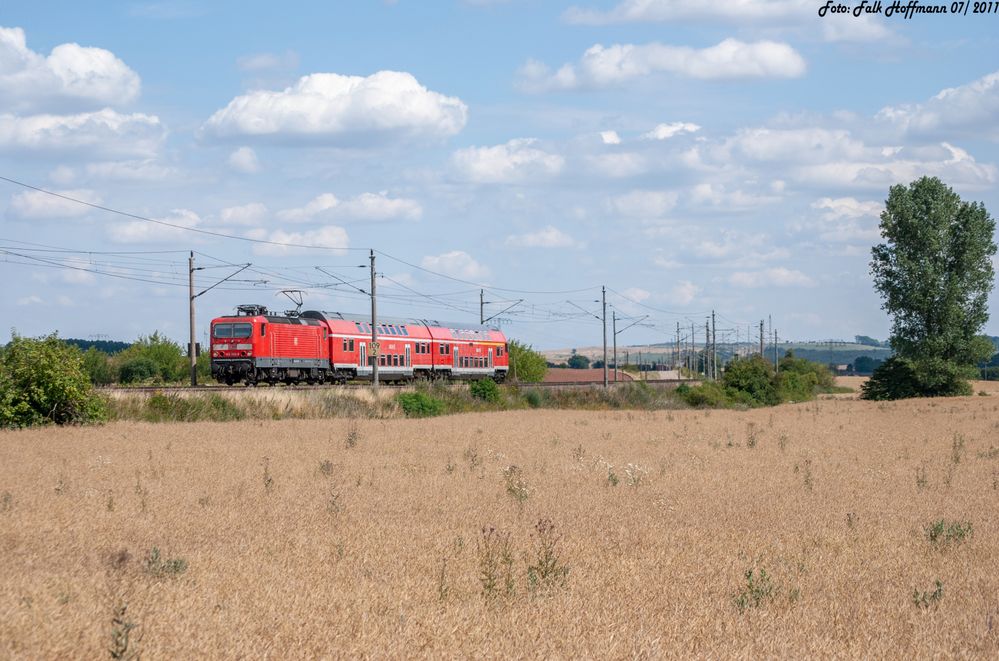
690	156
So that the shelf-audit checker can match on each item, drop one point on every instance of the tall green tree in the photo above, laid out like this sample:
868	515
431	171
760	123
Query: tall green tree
526	364
934	271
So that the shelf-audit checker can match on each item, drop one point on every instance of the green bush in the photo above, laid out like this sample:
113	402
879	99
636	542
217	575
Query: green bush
533	398
98	367
751	381
708	394
486	390
137	370
167	355
901	378
823	379
796	386
43	381
419	404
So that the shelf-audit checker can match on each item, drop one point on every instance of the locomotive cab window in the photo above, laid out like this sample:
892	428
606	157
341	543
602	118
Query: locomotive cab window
222	330
242	330
263	330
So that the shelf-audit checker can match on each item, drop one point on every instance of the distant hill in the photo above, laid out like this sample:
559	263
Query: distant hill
839	353
107	346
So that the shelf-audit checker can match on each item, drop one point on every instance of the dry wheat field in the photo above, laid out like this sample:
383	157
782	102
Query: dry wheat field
834	528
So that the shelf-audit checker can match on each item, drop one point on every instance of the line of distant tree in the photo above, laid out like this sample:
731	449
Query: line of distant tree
109	347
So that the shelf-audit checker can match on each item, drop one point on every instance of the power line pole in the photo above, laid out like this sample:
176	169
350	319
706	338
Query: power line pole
374	329
692	355
482	307
603	296
614	330
761	338
707	341
776	363
714	347
679	353
192	351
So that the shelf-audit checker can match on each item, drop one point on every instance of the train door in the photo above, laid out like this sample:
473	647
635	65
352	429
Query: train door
362	355
408	363
456	352
490	363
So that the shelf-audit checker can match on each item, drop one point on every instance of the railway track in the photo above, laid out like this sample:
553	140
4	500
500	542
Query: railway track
363	384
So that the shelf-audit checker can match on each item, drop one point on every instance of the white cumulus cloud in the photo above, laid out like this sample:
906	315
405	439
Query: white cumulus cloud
846	219
70	77
773	277
329	108
716	195
683	293
364	207
253	213
36	205
667	131
970	108
516	161
457	264
268	61
147	170
644	203
547	237
141	231
244	160
602	66
329	236
105	133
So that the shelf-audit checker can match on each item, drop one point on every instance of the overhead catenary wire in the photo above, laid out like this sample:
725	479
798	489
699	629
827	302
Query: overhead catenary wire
134	216
280	277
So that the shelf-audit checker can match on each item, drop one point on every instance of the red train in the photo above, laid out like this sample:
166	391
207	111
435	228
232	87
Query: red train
256	346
